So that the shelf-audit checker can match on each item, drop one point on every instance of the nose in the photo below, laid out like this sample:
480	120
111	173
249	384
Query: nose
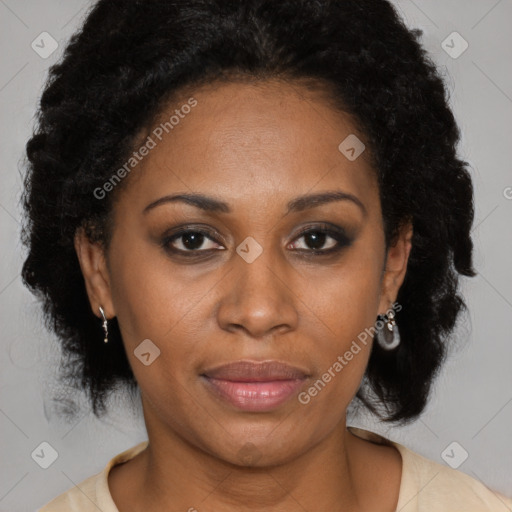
259	297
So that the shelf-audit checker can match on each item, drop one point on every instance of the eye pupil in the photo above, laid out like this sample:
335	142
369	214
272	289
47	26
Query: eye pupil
192	240
315	240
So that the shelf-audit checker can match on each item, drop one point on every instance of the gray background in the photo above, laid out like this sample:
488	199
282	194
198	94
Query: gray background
472	400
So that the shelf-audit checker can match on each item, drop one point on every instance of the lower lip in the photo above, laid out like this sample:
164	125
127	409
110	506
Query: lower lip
254	396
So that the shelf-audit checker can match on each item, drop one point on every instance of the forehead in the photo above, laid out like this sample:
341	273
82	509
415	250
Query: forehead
253	142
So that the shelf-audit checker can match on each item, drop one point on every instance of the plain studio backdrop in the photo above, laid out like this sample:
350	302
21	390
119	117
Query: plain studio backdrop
471	403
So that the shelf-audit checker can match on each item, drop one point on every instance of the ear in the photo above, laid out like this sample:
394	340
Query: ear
93	263
395	267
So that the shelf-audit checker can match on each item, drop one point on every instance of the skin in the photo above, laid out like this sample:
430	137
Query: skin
255	147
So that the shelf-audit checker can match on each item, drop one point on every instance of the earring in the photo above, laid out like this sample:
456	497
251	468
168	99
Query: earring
105	325
387	334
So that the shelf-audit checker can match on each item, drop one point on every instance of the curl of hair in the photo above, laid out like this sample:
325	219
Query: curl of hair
130	57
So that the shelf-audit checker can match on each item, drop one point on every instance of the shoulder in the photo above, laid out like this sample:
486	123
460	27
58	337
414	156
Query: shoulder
428	486
82	497
93	493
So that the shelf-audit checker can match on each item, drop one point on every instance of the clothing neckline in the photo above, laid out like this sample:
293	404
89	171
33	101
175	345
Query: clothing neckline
405	478
103	491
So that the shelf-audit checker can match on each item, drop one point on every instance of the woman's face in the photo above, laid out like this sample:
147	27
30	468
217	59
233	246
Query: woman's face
244	283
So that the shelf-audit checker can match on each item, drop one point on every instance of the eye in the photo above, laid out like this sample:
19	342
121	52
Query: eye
191	240
318	240
324	239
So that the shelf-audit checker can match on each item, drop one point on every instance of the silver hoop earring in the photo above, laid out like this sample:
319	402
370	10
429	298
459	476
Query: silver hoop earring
105	324
387	335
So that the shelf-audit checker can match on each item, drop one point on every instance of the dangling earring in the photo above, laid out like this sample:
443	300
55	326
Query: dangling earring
387	335
105	325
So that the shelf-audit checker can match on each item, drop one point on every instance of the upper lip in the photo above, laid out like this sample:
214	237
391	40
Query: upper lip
252	371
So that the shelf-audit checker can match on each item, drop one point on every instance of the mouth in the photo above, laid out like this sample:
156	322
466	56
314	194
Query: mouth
254	386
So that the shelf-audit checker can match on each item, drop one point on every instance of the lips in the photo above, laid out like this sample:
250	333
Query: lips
254	386
248	371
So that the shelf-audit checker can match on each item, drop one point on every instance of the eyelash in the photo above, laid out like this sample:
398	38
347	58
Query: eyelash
338	234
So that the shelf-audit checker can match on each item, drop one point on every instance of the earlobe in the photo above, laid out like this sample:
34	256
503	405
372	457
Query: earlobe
91	257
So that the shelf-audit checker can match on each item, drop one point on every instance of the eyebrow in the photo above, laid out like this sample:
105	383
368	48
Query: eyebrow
298	204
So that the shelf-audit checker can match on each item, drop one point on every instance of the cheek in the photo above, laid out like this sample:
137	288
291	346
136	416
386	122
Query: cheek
348	297
155	300
342	353
346	301
150	295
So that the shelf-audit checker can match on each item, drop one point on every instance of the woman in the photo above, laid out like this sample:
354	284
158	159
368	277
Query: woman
254	213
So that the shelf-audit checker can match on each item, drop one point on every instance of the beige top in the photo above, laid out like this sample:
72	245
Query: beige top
425	486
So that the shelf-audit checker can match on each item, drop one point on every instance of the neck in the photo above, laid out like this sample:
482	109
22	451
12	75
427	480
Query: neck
178	473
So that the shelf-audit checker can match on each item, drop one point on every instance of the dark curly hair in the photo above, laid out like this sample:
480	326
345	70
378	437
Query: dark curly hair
131	57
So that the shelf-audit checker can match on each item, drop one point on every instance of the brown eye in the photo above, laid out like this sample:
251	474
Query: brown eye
319	240
316	240
190	241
